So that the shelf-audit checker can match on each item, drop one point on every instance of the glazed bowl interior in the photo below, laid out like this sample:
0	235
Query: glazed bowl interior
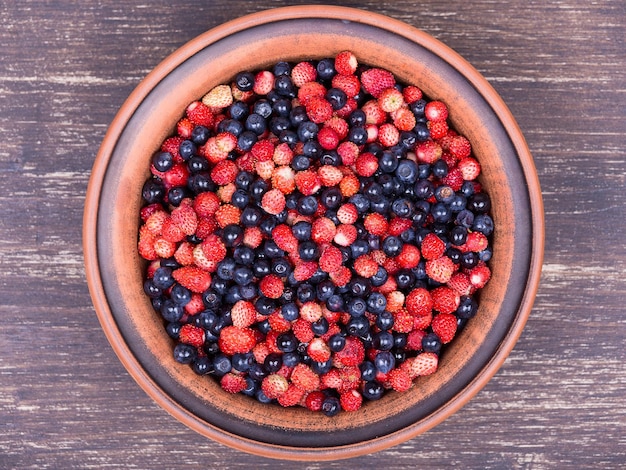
116	272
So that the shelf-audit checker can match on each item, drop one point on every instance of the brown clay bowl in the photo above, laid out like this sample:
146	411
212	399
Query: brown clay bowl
115	271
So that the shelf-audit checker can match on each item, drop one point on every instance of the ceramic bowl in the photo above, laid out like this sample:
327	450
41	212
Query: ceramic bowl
115	271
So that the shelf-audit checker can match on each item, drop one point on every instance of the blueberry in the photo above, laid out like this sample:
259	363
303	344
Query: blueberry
325	290
469	259
331	197
263	108
308	250
301	230
458	203
307	130
360	287
171	311
388	162
162	161
380	277
222	365
173	329
321	368
290	311
298	115
246	140
256	123
479	203
281	68
392	246
243	275
307	205
337	98
232	235
361	203
200	134
287	342
313	150
180	295
384	362
326	69
153	191
239	111
320	327
458	235
441	213
467	307
359	247
184	353
335	303
424	189
358	326
372	390
444	194
483	223
203	365
383	341
486	254
226	269
431	343
337	342
201	182
262	397
265	306
162	278
197	164
284	86
280	126
385	320
405	279
244	81
357	135
331	406
305	292
240	199
282	107
465	218
267	225
406	171
300	162
376	303
357	118
418	107
281	267
408	139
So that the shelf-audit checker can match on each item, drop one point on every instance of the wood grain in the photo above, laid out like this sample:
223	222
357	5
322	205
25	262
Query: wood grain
66	401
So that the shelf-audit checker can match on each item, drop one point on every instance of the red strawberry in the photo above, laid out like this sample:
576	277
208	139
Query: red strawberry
437	129
304	378
470	168
282	154
234	340
176	176
224	172
193	278
414	339
349	84
318	110
432	247
388	135
308	182
243	313
339	125
395	301
227	214
185	127
404	119
454	179
302	330
271	286
428	151
331	259
350	400
233	383
400	380
348	151
304	271
252	237
284	238
373	113
352	354
341	276
440	269
331	379
419	302
436	111
220	96
277	322
274	385
164	248
397	225
444	326
445	299
402	321
391	100
314	400
200	114
172	145
283	179
193	335
201	261
365	266
376	224
375	80
309	91
311	311
422	322
318	350
347	213
206	226
292	396
411	94
195	305
273	201
302	73
476	241
409	257
346	63
459	147
423	364
346	235
349	185
479	276
225	193
366	164
323	230
263	151
330	175
460	282
184	254
206	204
263	82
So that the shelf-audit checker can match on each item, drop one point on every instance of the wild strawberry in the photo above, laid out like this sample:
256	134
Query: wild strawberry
436	111
283	179
233	383
479	276
206	226
476	241
437	129
366	164
388	135
390	100
397	225
274	385
331	259
308	182
404	119
323	230
284	238
273	201
329	175
339	125
350	106
341	276
460	282
271	286
200	114
234	340
409	256
400	380
304	378
185	127
395	301
411	94
318	110
277	322
260	351
252	237
264	168
304	271
225	193
224	172
282	154
470	168
243	313
193	278
239	95
432	247
459	147
302	73
419	302
454	179
348	151
373	113
402	321
145	246
309	91
213	248
347	213
195	305
444	326
263	150
352	354
292	396
425	363
440	269
201	261
376	80
318	350
376	224
365	266
190	334
176	176
331	379
445	299
263	82
154	223
164	248
302	330
350	400
349	84
218	97
206	204
184	254
428	151
314	400
349	185
227	214
346	63
414	339
346	235
172	145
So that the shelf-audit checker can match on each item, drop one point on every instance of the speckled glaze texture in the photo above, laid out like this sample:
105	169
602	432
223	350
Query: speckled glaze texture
115	271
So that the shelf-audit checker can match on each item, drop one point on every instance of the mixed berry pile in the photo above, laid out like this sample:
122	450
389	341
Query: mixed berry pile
315	233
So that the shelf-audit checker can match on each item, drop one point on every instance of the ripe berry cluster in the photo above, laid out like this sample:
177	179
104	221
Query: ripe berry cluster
315	234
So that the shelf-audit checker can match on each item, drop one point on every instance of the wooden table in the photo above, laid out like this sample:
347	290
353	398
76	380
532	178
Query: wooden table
559	401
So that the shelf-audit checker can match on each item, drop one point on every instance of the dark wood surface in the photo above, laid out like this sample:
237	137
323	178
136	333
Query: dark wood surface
559	401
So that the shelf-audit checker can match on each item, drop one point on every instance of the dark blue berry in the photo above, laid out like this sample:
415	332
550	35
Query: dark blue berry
180	295
331	406
246	140
357	135
162	161
239	111
284	86
199	135
307	205
300	162
173	329
406	171
153	191
384	361
171	311
263	108
256	123
244	81
203	365
281	68
483	223
431	343
337	342
376	303
358	326
222	365
337	98
290	311
185	353
162	278
326	69
301	230
467	307
372	390
265	306
383	341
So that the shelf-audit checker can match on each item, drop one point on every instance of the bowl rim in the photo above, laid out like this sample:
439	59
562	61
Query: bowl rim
90	246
